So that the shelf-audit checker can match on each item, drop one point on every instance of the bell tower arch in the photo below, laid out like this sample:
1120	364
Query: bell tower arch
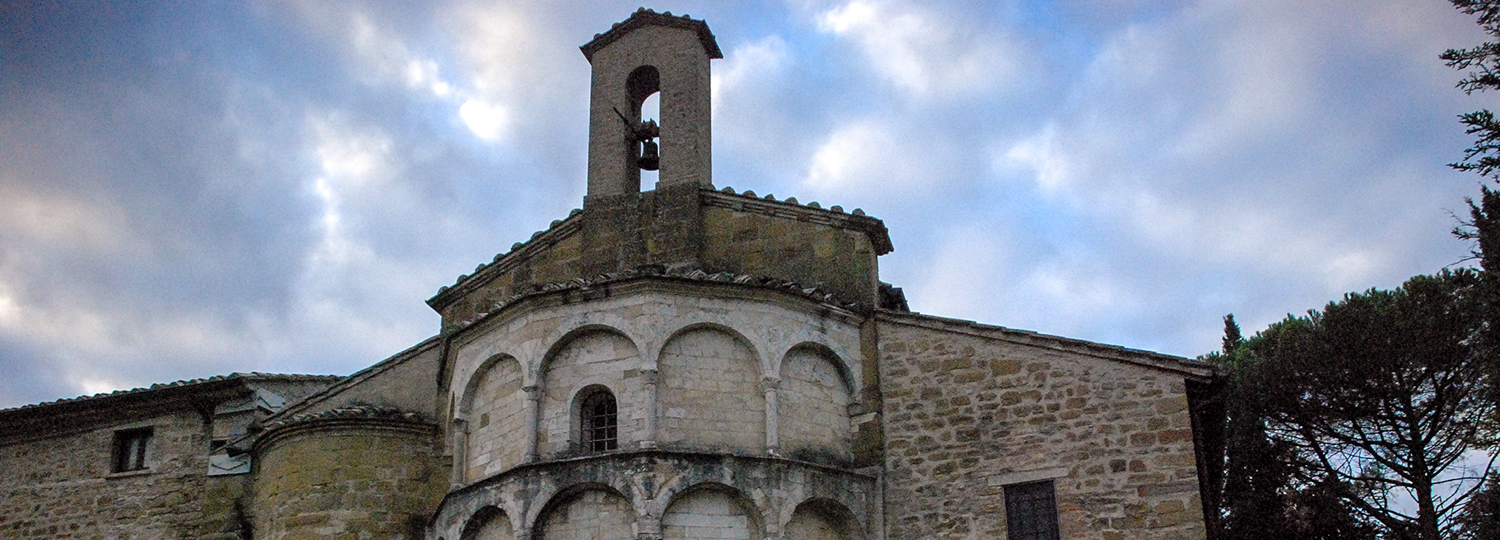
648	53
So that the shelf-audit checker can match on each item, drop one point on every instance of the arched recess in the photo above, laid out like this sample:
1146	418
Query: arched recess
591	356
489	523
494	408
710	511
815	394
822	519
591	512
710	392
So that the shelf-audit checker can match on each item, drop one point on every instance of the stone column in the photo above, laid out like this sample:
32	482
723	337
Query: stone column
648	527
460	451
533	420
773	439
649	380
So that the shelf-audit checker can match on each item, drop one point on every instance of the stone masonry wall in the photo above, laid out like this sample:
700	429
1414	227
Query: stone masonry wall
840	261
346	479
497	435
966	415
710	394
814	399
593	358
62	487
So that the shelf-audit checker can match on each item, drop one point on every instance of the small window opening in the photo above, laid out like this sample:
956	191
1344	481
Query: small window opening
600	425
1031	511
130	450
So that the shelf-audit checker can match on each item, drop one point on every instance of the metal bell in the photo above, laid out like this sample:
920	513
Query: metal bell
649	160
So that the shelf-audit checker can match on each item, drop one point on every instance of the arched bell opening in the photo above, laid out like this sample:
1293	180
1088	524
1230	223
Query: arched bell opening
644	86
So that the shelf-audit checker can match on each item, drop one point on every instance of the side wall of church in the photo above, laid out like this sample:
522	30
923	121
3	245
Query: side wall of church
966	415
61	486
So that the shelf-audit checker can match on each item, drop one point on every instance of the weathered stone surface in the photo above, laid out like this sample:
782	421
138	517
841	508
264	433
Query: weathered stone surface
356	476
967	414
667	494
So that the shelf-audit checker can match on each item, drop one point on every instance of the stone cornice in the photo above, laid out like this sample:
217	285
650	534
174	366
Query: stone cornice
811	212
364	418
643	17
658	272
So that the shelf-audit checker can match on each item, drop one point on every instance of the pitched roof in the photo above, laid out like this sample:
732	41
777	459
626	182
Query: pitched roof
175	387
643	17
1176	364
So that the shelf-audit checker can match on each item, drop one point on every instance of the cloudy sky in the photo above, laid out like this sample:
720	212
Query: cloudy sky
196	188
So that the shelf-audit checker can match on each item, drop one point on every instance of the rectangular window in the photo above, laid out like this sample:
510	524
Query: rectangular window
130	450
1031	511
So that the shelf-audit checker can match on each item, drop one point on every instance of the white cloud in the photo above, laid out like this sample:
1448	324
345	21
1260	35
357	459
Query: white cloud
923	52
853	154
746	71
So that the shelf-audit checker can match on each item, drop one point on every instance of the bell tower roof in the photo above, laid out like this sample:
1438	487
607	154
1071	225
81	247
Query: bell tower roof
643	17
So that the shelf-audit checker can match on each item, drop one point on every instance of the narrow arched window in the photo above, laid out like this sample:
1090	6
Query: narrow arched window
599	425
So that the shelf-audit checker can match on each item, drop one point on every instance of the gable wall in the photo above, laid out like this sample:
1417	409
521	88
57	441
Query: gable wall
965	415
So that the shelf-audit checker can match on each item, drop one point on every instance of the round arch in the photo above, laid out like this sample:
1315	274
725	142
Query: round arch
471	383
682	500
486	522
574	328
559	499
705	321
821	518
840	363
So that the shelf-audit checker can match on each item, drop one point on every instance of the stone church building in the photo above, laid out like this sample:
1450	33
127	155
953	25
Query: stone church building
681	362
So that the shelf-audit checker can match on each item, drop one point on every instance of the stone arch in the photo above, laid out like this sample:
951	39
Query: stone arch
641	83
710	395
573	327
817	390
822	519
493	418
848	369
710	511
586	511
839	363
489	523
699	320
589	355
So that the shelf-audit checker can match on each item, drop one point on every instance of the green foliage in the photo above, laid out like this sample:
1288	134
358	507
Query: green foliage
1483	66
1337	417
1481	517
